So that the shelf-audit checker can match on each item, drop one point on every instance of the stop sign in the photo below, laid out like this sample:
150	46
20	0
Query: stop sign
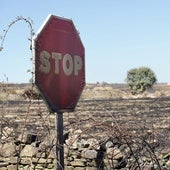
59	64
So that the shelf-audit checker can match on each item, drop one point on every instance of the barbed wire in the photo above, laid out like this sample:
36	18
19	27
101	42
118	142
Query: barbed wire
29	22
18	18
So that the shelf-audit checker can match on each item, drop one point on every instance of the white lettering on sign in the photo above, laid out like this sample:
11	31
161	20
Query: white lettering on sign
69	64
77	64
56	57
45	64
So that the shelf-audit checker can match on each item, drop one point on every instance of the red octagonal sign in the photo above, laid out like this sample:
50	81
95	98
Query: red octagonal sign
59	64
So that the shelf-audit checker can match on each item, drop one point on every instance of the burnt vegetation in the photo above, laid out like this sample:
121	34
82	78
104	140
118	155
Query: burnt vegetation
126	133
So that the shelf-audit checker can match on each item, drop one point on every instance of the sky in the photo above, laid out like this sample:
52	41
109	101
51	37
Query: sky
118	35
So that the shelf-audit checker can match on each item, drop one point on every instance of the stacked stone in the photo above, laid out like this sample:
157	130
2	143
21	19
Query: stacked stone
80	153
27	152
93	154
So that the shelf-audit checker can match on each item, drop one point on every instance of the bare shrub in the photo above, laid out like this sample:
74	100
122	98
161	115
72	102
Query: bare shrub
31	94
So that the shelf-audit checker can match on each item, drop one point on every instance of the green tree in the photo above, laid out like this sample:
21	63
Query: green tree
140	79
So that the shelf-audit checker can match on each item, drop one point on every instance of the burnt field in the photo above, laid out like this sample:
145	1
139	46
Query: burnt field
138	127
100	107
132	115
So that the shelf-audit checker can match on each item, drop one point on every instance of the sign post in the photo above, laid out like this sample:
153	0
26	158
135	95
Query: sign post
59	146
59	71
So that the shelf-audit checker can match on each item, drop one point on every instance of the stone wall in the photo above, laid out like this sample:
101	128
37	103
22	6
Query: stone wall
80	153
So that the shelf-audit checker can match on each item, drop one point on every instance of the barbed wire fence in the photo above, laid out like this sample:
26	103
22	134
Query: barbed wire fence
8	126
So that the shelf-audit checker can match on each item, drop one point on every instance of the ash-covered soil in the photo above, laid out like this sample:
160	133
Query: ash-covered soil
105	113
99	104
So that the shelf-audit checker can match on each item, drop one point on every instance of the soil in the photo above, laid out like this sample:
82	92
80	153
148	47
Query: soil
99	105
